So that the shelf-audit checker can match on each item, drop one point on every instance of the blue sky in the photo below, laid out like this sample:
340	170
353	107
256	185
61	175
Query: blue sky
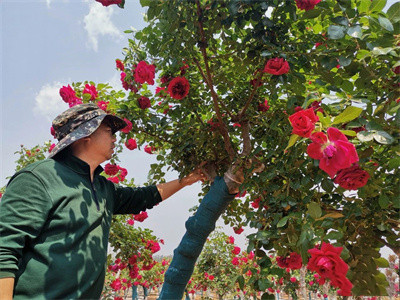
48	44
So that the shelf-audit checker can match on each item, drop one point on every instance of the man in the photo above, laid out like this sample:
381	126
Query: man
55	215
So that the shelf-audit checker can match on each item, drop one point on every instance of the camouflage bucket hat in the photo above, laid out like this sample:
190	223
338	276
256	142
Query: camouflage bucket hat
81	121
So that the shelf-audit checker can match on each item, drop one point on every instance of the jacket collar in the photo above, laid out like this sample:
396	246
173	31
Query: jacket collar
76	164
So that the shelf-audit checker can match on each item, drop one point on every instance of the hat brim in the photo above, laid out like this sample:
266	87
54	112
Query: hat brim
86	129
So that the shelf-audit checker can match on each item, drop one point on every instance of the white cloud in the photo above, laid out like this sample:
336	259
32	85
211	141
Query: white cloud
98	23
115	81
48	102
48	3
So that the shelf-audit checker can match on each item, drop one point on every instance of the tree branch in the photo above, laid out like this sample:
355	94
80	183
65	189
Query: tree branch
223	129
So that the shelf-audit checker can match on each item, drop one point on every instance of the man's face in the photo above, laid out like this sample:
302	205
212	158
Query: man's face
101	142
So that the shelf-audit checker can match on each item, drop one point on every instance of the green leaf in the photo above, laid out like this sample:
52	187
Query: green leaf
282	222
334	215
365	136
344	61
349	132
327	185
145	3
336	32
381	279
377	5
341	21
382	137
267	296
292	140
386	24
349	114
314	210
240	281
334	235
364	6
326	121
311	14
383	201
394	13
264	283
381	51
381	262
355	31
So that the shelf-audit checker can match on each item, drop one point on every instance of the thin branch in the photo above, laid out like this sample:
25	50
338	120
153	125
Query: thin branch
223	129
246	138
154	135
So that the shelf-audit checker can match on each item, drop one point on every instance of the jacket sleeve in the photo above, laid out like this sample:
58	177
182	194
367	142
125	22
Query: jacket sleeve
24	208
134	200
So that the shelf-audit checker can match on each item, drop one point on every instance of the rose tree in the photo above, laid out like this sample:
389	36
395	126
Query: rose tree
308	88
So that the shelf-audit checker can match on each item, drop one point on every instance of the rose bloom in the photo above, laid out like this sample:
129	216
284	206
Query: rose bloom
110	169
144	102
109	2
306	4
236	250
131	222
149	149
235	261
327	262
230	240
293	279
128	127
141	217
131	144
91	90
277	66
256	203
113	179
145	73
120	65
294	261
334	151
116	285
211	277
52	132
352	178
282	262
74	102
263	106
103	105
123	173
178	88
238	230
67	93
303	122
52	147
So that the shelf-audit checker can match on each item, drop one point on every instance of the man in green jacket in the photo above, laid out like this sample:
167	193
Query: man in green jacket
55	215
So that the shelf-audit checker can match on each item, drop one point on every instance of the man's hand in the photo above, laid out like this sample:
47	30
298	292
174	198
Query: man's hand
195	176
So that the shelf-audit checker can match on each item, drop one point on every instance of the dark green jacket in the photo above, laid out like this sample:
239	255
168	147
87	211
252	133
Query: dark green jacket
54	227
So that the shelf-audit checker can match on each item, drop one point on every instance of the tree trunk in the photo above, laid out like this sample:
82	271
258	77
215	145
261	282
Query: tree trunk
198	229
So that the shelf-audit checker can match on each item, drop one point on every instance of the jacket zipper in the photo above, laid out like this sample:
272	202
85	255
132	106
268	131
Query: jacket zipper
95	196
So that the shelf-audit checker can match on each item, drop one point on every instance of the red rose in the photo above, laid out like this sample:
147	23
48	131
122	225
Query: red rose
128	127
256	203
110	169
397	70
109	2
130	222
116	284
122	173
235	261
230	240
352	178
238	230
282	262
91	90
103	105
52	147
334	151
263	106
306	4
141	217
160	91
113	179
68	94
145	73
125	85
178	88
144	102
53	132
119	64
327	263
276	66
236	251
294	261
131	144
303	122
149	149
211	277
